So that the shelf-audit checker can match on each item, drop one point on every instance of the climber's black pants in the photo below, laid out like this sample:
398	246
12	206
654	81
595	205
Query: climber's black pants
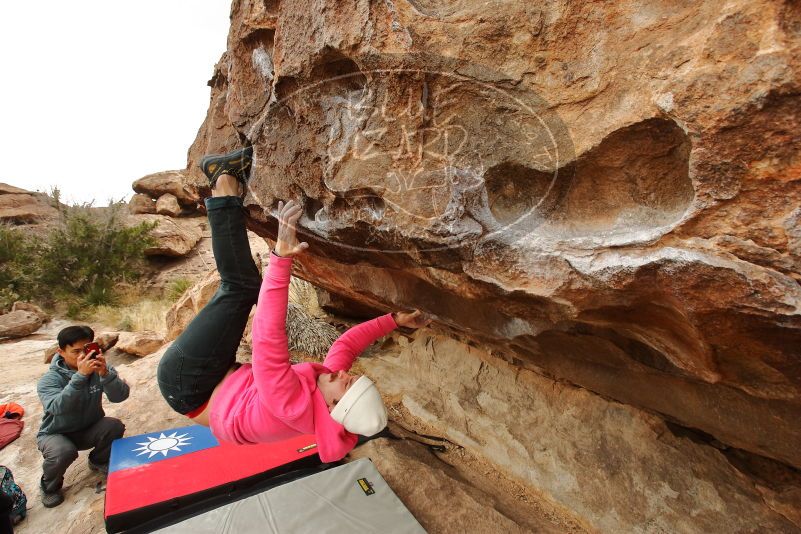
201	356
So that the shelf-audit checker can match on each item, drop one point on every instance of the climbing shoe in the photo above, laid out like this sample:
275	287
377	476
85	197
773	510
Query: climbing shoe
236	163
51	500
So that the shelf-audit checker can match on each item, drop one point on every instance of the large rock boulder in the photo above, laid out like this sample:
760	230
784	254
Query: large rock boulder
172	182
30	307
19	323
616	466
168	205
139	343
174	237
605	195
190	303
141	204
22	207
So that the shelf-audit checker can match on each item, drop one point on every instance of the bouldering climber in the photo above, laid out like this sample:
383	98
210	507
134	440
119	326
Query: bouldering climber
269	399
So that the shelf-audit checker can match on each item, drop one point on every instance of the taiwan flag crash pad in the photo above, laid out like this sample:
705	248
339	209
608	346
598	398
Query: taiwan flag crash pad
155	479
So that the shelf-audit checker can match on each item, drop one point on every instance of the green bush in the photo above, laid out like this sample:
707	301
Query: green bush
18	252
82	257
178	287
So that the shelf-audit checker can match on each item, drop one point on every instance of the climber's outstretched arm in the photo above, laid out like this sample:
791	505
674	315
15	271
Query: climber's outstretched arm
352	343
278	386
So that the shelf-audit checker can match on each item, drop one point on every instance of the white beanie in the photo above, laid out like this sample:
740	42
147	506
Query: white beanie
361	410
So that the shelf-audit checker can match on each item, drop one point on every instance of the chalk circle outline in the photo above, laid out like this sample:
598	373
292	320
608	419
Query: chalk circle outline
565	147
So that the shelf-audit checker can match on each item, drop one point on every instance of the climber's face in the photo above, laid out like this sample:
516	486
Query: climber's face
334	385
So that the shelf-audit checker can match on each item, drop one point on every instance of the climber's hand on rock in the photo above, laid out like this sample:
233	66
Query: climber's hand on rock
287	244
414	319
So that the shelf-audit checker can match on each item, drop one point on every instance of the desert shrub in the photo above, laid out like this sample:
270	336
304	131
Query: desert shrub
75	309
100	294
178	287
18	276
78	260
307	333
7	299
303	294
89	251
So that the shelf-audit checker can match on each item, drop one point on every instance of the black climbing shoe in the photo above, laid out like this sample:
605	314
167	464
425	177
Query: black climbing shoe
236	163
51	500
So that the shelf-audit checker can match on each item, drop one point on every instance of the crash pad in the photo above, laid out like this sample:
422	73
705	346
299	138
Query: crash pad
349	498
163	476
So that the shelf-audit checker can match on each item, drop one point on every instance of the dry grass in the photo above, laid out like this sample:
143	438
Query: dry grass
306	330
307	333
303	294
147	314
133	312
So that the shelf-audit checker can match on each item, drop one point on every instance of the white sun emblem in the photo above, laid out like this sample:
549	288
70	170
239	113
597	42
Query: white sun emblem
163	444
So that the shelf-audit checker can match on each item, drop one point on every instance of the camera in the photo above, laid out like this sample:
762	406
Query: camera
93	348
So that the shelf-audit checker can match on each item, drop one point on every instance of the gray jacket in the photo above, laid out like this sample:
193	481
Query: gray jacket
72	401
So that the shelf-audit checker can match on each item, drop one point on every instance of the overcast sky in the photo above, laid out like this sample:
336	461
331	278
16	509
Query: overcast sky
96	94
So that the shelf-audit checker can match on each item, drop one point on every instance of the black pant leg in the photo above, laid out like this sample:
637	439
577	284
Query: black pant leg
200	357
98	437
229	242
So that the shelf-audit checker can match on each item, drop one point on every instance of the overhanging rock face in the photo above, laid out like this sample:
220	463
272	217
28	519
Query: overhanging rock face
606	195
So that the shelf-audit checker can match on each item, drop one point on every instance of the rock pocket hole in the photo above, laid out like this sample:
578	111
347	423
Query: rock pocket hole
311	207
358	204
513	190
339	74
636	179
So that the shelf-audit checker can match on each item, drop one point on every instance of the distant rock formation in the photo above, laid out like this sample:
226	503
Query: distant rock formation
167	182
168	200
167	204
18	206
174	236
141	204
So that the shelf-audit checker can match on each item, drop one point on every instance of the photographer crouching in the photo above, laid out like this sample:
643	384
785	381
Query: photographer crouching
71	393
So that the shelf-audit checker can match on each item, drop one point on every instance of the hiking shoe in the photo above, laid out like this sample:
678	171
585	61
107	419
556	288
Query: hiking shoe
51	500
101	468
236	163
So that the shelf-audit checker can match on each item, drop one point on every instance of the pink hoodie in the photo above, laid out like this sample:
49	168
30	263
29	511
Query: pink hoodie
272	400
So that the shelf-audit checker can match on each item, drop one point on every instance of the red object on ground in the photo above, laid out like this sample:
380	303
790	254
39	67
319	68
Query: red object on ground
13	408
10	429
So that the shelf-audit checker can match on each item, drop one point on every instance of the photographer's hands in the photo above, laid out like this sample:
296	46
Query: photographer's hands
88	365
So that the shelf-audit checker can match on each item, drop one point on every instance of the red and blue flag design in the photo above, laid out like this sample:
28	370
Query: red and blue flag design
172	465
